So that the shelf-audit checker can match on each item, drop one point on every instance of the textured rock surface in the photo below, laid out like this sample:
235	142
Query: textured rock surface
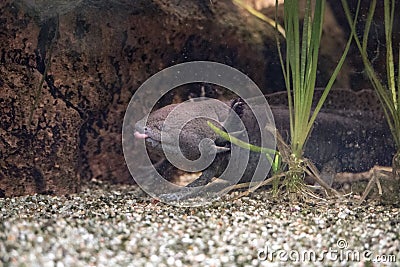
32	153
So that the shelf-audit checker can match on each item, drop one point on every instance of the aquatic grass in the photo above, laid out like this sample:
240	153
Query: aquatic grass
300	69
263	150
300	73
273	156
278	163
389	93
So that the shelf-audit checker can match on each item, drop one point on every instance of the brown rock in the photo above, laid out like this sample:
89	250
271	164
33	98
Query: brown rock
41	156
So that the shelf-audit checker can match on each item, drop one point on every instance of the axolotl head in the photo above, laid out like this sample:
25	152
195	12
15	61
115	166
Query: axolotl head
186	123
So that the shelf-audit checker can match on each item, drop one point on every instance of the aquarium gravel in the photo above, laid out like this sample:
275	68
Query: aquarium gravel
118	225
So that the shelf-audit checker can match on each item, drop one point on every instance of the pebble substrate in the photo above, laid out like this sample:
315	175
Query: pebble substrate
115	225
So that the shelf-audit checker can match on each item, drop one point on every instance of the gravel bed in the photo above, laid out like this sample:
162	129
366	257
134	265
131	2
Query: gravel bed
109	225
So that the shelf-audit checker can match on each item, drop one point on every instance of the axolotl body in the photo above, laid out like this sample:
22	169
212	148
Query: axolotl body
351	141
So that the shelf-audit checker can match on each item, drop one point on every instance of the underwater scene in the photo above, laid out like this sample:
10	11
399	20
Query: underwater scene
199	133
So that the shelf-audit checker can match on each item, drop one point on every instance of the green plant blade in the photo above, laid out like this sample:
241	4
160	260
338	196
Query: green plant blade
267	151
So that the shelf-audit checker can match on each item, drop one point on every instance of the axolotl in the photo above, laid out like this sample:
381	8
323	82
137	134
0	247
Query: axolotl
351	141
